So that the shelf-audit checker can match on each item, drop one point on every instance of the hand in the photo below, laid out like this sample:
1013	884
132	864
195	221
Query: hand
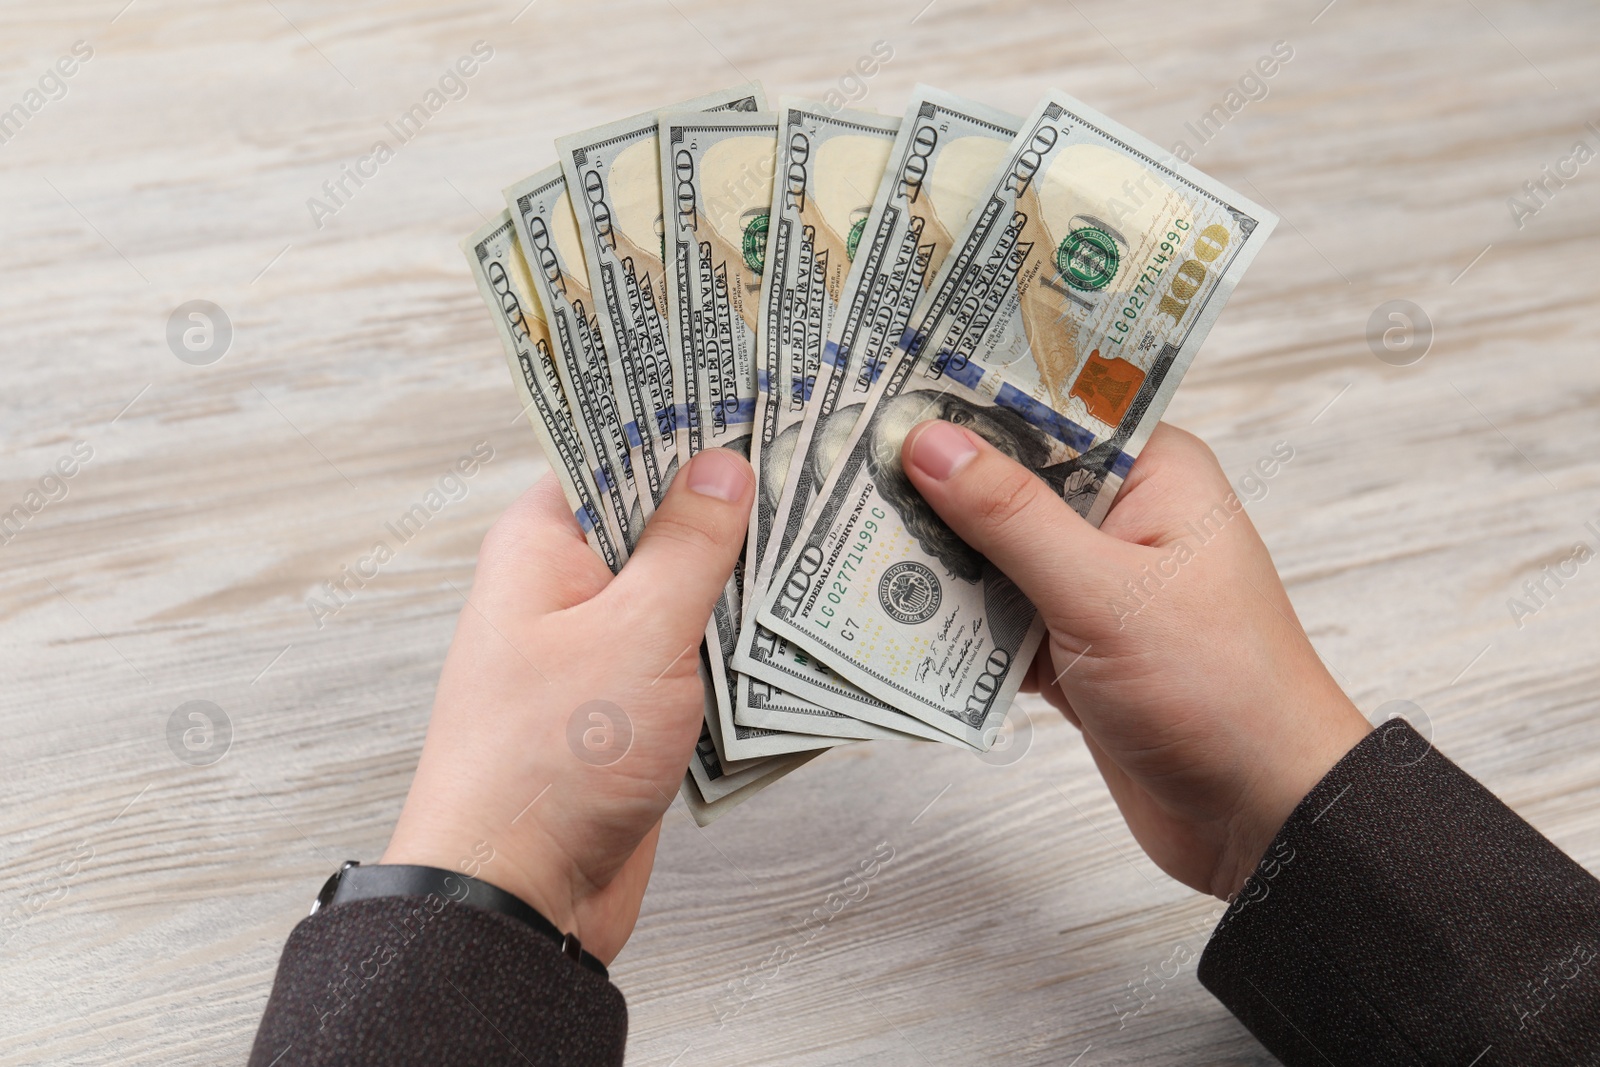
504	773
1172	644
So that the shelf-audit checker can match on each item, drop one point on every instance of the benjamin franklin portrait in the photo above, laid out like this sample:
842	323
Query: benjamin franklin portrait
1077	480
775	458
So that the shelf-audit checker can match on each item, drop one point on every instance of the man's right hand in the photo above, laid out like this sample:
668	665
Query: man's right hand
1172	643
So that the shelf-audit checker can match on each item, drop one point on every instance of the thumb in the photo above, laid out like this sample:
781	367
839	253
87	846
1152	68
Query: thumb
689	546
1065	566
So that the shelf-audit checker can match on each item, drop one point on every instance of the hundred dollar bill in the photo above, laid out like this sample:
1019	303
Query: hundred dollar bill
743	746
1059	326
831	163
706	810
548	234
944	157
715	779
502	277
770	708
830	167
615	177
716	174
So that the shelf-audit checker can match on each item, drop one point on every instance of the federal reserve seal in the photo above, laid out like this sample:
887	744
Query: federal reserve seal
1088	259
909	592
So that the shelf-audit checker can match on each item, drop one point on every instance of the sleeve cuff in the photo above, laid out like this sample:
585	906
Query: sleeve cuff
1405	915
423	980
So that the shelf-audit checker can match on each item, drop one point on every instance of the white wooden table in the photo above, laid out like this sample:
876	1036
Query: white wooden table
146	900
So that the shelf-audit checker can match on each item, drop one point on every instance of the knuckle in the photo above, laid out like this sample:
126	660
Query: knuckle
1183	465
505	537
698	534
1004	495
534	536
535	509
1193	448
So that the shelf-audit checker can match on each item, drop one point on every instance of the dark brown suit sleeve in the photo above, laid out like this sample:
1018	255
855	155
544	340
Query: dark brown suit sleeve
422	980
1406	916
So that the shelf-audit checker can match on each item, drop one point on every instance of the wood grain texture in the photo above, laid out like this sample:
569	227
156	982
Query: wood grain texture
1017	908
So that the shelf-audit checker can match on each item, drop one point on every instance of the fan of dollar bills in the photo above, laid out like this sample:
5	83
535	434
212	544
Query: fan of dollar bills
807	284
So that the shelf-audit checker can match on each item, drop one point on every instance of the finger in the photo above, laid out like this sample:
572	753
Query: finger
1064	565
688	549
534	559
1176	473
1043	678
1163	440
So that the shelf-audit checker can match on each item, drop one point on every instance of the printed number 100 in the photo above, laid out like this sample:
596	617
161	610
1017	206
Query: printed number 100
1191	275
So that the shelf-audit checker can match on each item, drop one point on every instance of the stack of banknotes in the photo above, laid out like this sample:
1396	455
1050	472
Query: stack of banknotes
804	285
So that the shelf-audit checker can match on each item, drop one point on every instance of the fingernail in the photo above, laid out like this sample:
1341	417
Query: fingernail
717	474
941	450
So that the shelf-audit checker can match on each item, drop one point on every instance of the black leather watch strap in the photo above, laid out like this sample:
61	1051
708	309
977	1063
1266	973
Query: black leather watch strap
352	882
